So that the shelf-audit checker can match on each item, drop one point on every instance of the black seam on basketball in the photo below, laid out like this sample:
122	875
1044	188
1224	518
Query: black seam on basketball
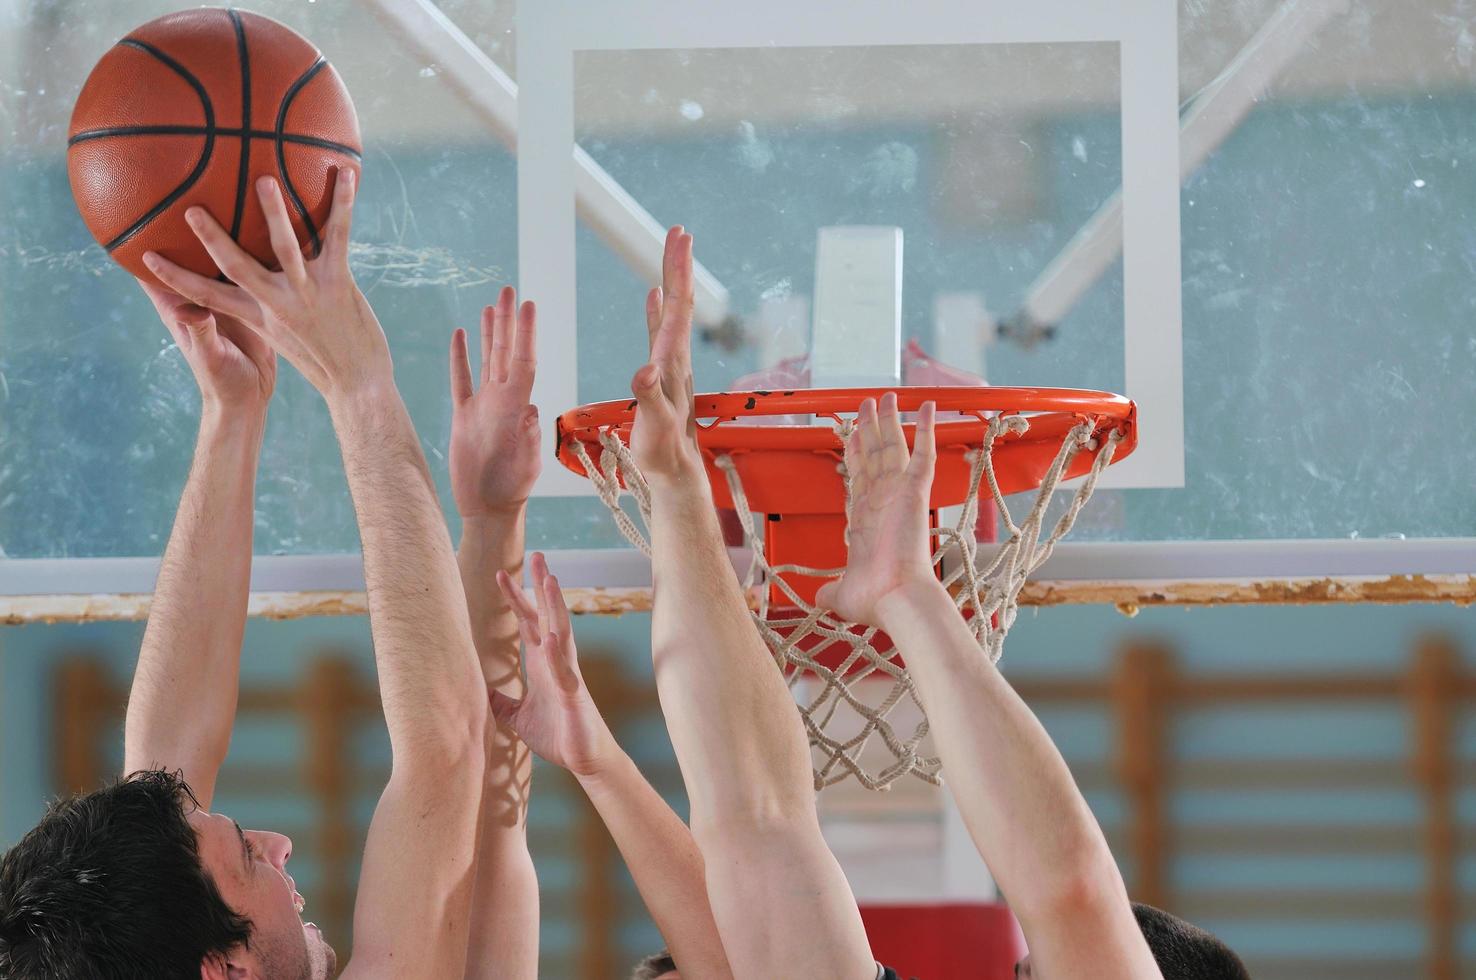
256	134
243	52
322	144
281	143
111	131
204	160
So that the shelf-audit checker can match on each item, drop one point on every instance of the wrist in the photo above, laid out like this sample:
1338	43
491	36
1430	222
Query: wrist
492	543
497	519
220	419
369	398
690	476
922	595
606	765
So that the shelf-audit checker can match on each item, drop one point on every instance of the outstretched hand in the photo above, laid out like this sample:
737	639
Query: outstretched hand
888	541
664	436
556	717
234	368
494	430
311	311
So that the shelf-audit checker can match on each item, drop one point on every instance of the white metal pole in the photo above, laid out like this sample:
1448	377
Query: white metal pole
1211	117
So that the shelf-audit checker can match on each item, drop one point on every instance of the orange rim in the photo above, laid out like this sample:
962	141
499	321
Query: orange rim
791	474
720	429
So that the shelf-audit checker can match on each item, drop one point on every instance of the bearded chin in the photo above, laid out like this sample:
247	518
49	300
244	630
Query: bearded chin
322	960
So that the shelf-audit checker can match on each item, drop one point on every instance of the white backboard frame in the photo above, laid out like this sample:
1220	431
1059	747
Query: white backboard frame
551	32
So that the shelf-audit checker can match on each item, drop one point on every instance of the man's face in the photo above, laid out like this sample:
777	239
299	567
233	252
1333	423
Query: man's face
250	870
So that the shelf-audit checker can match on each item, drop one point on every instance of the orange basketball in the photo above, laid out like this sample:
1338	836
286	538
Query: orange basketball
193	108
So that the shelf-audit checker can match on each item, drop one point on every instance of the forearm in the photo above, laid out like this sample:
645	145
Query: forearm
1016	794
781	901
183	701
737	735
490	544
429	678
504	914
504	935
663	858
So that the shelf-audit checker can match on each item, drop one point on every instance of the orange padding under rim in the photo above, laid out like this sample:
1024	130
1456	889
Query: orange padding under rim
792	469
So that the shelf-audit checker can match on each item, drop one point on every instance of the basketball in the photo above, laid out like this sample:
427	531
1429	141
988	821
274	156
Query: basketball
191	109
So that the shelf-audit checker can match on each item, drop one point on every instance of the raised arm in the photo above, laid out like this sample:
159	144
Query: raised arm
558	720
1017	797
183	700
494	463
780	899
411	916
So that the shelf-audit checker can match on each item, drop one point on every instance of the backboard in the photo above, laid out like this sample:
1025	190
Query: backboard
1233	214
1052	237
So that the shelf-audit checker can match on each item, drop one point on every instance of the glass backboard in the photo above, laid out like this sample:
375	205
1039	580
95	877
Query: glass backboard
1253	218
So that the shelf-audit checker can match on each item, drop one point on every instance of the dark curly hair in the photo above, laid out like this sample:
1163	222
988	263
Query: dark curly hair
1184	951
653	966
110	885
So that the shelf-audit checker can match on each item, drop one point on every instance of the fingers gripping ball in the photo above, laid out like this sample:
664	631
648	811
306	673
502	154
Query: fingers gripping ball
191	109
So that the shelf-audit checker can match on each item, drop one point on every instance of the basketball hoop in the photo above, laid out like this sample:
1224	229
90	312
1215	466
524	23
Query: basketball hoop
1007	440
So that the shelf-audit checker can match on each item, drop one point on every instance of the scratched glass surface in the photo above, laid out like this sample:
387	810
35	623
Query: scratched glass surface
1328	257
1327	242
987	157
98	410
1328	249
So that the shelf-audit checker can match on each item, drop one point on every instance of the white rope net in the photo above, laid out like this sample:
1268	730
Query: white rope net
845	707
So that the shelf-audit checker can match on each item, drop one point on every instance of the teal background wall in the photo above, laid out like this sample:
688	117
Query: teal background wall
1076	642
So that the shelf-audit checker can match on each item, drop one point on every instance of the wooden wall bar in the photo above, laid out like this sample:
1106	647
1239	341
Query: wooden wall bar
1434	686
1143	692
334	702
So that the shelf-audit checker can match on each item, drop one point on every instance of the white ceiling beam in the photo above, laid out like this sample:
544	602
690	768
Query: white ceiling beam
1212	115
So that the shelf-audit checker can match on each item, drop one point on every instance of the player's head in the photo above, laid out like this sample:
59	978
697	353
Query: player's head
1183	951
135	880
657	966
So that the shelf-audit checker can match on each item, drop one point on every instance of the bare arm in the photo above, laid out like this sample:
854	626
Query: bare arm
183	700
1017	797
415	890
665	862
558	720
494	463
411	918
781	901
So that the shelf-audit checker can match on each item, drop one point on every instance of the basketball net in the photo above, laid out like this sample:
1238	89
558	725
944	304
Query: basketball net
848	706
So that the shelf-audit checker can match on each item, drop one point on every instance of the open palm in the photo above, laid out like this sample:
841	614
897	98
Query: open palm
888	540
664	436
556	717
494	430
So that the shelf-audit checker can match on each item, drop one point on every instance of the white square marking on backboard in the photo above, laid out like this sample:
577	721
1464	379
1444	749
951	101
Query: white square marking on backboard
551	31
857	339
